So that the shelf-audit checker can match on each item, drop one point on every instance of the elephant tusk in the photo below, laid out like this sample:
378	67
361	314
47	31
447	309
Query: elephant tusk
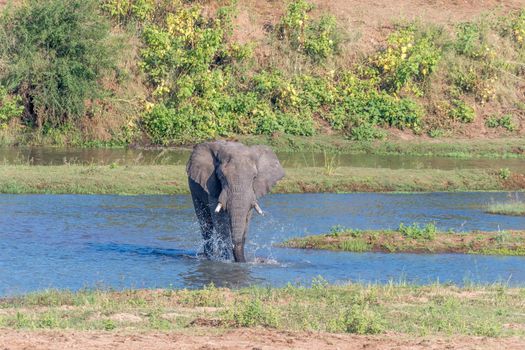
258	209
219	207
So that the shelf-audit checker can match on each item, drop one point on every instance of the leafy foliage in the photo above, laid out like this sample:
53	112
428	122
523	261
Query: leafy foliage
518	27
407	61
504	121
414	231
461	111
200	83
56	52
317	39
10	106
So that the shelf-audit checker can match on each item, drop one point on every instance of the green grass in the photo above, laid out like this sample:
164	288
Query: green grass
508	147
172	179
493	311
514	208
415	239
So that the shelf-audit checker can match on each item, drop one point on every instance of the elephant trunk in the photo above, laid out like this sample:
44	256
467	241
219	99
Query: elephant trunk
239	211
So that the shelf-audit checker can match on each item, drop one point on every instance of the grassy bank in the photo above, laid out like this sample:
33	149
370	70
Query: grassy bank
414	239
415	310
508	147
171	179
514	208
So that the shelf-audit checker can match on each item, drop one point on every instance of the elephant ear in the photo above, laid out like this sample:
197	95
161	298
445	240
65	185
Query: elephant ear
269	170
201	167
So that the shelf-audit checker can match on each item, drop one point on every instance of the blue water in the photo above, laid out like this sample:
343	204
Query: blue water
76	241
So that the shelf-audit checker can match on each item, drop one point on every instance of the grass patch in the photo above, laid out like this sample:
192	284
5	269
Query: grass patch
508	147
355	308
172	179
415	239
514	208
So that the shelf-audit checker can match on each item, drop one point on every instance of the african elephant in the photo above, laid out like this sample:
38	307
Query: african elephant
226	179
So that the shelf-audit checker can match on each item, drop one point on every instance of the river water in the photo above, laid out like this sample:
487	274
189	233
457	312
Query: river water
77	241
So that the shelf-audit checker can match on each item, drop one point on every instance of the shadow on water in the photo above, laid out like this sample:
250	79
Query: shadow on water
221	274
134	249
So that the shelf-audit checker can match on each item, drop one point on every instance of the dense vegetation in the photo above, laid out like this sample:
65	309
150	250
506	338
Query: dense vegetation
180	76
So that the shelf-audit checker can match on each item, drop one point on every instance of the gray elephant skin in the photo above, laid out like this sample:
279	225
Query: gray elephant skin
226	179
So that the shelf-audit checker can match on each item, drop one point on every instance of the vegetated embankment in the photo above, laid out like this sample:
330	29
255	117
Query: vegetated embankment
415	239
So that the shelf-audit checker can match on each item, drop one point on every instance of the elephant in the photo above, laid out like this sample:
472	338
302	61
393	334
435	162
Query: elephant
226	179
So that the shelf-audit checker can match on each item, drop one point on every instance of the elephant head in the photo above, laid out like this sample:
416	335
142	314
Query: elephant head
234	177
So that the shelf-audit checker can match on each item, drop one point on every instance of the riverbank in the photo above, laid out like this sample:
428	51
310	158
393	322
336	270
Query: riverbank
415	239
503	147
172	179
383	314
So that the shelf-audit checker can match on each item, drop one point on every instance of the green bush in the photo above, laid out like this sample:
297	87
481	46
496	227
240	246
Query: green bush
414	231
362	106
408	60
518	27
504	173
317	39
126	10
293	23
363	320
471	40
322	39
253	312
366	132
504	121
10	106
56	53
461	111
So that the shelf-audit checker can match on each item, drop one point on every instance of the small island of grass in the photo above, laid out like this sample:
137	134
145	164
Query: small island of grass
414	239
513	208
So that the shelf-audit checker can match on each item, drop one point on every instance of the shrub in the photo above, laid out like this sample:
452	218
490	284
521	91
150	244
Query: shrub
56	52
504	173
126	10
504	121
293	23
10	106
366	132
317	39
362	106
518	27
406	61
362	320
461	111
322	39
471	40
414	231
188	62
253	312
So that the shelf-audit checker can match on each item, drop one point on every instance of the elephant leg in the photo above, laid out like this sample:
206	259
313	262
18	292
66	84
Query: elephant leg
205	218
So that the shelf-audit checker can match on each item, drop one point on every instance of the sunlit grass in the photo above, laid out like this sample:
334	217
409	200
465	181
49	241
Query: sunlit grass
172	179
492	310
509	208
414	239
